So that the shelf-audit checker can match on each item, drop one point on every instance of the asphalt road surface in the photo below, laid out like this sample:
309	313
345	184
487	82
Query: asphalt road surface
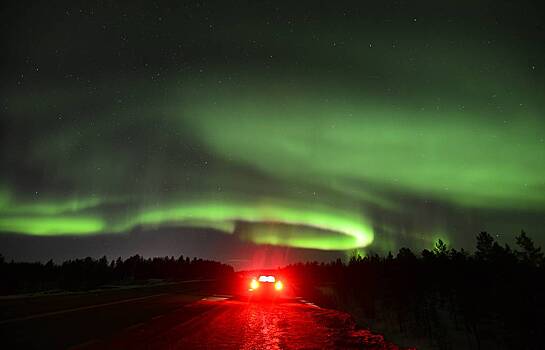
178	317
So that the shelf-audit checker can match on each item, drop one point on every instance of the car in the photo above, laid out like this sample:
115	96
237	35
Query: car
258	285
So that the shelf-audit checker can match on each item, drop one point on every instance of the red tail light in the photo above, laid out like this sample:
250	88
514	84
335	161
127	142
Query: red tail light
278	285
254	284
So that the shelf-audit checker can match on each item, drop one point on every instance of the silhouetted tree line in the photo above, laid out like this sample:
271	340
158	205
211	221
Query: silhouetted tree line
89	273
492	299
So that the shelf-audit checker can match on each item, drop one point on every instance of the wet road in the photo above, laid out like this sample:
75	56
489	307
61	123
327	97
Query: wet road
224	323
182	315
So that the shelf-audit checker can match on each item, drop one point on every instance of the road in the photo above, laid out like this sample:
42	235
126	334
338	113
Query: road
179	318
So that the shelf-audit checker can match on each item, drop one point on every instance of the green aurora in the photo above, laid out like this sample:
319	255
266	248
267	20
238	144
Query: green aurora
336	143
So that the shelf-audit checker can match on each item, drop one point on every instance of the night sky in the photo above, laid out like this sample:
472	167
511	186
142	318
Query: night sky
281	131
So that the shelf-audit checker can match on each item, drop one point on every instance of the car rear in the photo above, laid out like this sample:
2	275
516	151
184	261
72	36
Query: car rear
266	286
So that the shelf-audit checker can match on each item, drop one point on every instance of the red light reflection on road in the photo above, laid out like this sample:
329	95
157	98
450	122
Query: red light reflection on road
220	323
243	325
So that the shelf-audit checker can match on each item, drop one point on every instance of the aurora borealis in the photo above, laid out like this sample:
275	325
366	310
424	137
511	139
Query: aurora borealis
330	128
